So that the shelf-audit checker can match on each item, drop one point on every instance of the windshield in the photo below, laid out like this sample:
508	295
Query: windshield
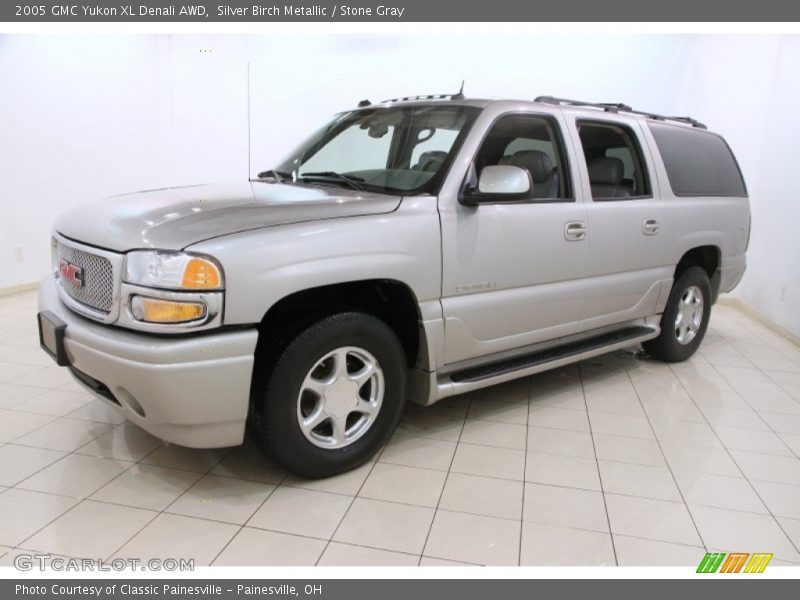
385	149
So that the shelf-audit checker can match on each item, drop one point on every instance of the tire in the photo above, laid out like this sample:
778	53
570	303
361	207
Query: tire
679	339
322	377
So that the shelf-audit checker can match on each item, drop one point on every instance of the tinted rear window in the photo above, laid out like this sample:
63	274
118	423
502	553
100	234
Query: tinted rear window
698	163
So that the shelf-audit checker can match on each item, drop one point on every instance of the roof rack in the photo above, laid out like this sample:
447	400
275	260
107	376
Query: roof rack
618	108
458	96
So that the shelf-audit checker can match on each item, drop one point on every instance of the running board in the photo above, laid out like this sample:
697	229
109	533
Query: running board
473	378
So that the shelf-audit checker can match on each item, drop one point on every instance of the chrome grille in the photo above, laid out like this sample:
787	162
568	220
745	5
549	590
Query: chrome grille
98	278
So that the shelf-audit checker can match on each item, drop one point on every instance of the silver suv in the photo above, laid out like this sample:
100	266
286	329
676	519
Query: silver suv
414	249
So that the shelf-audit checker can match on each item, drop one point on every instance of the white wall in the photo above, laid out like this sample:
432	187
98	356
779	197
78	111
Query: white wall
749	90
88	117
298	81
93	116
76	118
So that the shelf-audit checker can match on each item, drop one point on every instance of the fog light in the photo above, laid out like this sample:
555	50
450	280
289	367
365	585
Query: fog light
154	310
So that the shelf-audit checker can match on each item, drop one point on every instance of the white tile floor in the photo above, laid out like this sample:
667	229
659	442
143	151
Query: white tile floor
618	460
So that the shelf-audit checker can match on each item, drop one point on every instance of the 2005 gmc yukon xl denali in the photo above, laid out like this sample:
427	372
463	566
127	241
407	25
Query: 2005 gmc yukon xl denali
415	249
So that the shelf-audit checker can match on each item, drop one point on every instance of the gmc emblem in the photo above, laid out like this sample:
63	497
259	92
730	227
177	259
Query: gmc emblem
70	272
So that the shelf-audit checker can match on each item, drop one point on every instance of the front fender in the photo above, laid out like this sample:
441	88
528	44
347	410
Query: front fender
263	266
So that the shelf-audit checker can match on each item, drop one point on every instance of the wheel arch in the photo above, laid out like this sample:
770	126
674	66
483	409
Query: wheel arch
706	257
390	300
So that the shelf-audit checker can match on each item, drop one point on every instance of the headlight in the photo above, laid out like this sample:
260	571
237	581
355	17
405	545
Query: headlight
172	270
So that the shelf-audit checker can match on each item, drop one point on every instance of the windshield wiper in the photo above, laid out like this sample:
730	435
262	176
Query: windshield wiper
279	176
352	181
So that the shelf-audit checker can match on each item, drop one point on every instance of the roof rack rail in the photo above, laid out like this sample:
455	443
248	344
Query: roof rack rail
618	107
458	96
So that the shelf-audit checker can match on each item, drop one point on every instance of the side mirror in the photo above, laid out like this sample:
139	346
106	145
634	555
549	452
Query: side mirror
500	183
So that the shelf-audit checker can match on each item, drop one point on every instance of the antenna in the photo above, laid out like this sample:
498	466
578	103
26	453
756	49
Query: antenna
460	94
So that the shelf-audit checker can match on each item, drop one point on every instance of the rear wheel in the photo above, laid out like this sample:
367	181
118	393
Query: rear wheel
334	396
685	318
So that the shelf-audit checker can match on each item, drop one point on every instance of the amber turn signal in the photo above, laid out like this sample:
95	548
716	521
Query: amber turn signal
201	274
153	310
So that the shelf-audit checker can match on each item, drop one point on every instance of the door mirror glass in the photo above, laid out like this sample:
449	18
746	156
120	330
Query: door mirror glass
497	183
504	180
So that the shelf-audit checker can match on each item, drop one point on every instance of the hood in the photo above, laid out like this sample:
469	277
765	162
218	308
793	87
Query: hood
174	218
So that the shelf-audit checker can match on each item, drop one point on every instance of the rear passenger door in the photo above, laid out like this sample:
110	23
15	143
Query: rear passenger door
626	264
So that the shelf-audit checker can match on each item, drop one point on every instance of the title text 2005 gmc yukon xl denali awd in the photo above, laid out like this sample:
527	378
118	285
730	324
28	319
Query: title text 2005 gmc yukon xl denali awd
418	248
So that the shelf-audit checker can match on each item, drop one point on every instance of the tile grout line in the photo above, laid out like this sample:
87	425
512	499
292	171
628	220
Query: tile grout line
384	501
738	466
201	475
83	500
243	525
354	543
524	470
53	520
20	402
669	466
16	441
761	328
739	353
80	500
75	452
349	506
444	485
597	465
158	513
113	426
58	460
783	355
299	486
131	463
758	413
610	414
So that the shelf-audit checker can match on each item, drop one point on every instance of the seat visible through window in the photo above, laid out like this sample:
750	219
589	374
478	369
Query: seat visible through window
614	160
430	161
533	143
543	172
605	177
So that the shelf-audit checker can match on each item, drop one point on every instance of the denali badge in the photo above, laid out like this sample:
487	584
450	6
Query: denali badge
70	272
463	288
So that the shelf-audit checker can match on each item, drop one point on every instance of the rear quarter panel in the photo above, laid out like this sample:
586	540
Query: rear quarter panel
692	221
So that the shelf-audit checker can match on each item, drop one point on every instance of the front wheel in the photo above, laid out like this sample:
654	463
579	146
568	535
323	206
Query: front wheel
685	318
335	395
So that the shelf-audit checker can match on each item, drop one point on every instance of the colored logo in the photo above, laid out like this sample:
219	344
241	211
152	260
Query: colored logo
70	272
734	562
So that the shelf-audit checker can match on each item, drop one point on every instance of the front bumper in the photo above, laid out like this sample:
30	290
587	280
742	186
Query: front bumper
191	391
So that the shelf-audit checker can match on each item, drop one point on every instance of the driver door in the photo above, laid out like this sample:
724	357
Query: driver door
513	272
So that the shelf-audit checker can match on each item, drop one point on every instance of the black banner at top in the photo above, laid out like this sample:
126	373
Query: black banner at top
50	11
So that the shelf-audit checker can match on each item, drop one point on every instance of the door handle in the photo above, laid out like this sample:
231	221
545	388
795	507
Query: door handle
575	231
650	226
